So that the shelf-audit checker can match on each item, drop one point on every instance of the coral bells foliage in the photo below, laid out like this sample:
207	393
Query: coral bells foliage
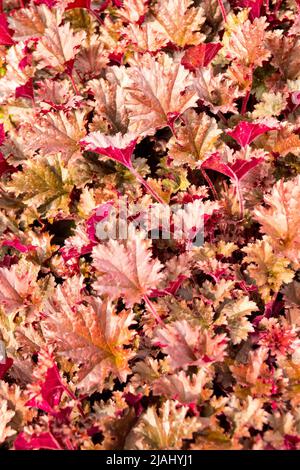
178	333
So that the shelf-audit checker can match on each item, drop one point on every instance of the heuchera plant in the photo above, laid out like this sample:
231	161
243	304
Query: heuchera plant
149	340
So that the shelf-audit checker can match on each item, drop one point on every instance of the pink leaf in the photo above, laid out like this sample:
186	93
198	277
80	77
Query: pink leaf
45	440
5	33
18	245
118	147
2	134
245	132
200	55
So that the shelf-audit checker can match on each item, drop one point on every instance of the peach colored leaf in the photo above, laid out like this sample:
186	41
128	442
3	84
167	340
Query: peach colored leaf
31	22
285	52
57	132
182	387
234	314
156	92
182	27
126	269
217	92
58	45
145	38
246	42
17	284
6	416
92	57
110	112
165	429
93	336
280	218
187	345
195	138
15	75
133	10
282	141
56	95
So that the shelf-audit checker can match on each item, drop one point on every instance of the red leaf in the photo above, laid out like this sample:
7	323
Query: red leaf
50	393
171	289
79	4
25	91
215	163
242	167
49	3
18	245
4	166
234	171
245	132
254	5
7	261
4	367
119	148
5	33
200	55
99	214
45	440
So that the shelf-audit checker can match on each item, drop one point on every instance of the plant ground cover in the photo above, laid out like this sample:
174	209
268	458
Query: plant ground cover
184	332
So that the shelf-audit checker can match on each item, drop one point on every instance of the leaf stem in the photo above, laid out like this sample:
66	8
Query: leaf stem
278	5
223	11
209	182
245	102
240	198
73	83
152	309
147	186
92	12
222	117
